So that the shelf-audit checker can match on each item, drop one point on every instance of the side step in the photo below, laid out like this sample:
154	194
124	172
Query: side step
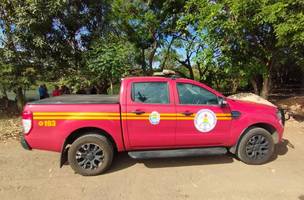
177	153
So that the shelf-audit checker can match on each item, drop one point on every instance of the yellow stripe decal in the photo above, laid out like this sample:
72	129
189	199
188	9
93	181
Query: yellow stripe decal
75	113
116	116
77	118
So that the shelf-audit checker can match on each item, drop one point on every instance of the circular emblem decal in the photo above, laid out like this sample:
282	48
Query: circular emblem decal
154	118
205	120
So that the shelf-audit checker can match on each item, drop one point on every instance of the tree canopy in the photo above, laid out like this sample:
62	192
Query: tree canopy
228	44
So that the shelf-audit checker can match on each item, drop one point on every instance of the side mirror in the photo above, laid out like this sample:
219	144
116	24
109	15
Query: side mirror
222	102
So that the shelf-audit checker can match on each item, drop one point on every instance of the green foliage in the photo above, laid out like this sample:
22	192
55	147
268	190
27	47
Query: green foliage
227	44
248	39
107	61
17	74
287	18
48	39
146	24
53	33
110	59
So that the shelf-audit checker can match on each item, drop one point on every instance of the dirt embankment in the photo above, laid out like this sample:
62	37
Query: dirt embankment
294	106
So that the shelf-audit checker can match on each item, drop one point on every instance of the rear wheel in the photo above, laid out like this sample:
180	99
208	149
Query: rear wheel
256	147
90	155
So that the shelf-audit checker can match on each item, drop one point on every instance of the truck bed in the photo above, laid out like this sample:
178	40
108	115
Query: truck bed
79	99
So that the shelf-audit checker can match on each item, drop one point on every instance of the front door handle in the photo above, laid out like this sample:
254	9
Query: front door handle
187	113
138	112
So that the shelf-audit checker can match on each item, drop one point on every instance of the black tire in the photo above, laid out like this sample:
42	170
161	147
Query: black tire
90	155
256	146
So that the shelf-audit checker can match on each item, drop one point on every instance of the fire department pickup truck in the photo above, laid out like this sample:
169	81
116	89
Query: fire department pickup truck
152	117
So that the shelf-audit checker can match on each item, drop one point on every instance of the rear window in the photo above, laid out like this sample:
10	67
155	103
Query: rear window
150	92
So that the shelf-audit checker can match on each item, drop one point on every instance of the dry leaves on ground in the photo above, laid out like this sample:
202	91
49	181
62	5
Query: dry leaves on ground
10	128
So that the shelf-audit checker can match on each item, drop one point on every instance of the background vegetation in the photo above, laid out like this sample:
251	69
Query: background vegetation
230	45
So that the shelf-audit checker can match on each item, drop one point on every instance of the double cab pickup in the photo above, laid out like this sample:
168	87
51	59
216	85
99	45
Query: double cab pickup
152	117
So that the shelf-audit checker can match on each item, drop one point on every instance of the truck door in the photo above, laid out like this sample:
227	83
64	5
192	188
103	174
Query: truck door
201	121
150	116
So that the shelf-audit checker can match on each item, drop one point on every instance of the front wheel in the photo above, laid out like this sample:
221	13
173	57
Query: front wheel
90	155
256	147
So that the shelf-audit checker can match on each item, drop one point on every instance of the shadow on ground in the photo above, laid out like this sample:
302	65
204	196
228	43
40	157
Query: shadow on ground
298	117
281	149
187	161
123	161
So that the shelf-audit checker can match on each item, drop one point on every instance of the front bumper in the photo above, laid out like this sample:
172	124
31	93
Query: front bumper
24	144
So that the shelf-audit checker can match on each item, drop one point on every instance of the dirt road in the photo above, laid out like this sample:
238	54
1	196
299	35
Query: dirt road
36	175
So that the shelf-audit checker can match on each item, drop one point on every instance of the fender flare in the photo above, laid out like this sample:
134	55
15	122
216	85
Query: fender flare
81	131
265	126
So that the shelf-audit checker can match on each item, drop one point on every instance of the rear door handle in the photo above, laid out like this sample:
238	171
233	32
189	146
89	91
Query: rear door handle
138	112
187	113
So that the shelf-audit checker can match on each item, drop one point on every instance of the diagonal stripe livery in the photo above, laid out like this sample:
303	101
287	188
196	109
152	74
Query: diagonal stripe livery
116	116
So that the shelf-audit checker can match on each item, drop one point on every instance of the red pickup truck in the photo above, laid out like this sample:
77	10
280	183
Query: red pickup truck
152	117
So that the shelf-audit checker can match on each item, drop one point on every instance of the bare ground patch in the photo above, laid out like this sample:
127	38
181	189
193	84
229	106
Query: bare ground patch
10	128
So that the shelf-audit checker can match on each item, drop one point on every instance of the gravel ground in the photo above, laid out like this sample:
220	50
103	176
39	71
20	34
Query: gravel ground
36	175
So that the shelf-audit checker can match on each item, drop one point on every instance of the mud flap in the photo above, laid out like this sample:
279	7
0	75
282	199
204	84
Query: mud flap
64	155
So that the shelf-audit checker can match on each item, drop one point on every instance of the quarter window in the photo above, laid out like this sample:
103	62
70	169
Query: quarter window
150	92
192	94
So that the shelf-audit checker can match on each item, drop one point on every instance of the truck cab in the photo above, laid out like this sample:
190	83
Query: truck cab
162	111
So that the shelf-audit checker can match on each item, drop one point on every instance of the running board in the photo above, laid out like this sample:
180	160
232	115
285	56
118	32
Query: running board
177	153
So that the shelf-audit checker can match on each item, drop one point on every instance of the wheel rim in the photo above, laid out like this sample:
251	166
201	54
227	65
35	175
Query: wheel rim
257	147
89	156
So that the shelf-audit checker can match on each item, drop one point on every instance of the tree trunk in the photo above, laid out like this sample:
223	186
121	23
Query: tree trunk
266	87
254	84
190	72
267	78
235	86
20	99
151	56
143	62
201	73
187	64
163	65
111	87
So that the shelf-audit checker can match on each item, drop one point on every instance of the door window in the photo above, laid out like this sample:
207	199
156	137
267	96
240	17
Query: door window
150	92
192	94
